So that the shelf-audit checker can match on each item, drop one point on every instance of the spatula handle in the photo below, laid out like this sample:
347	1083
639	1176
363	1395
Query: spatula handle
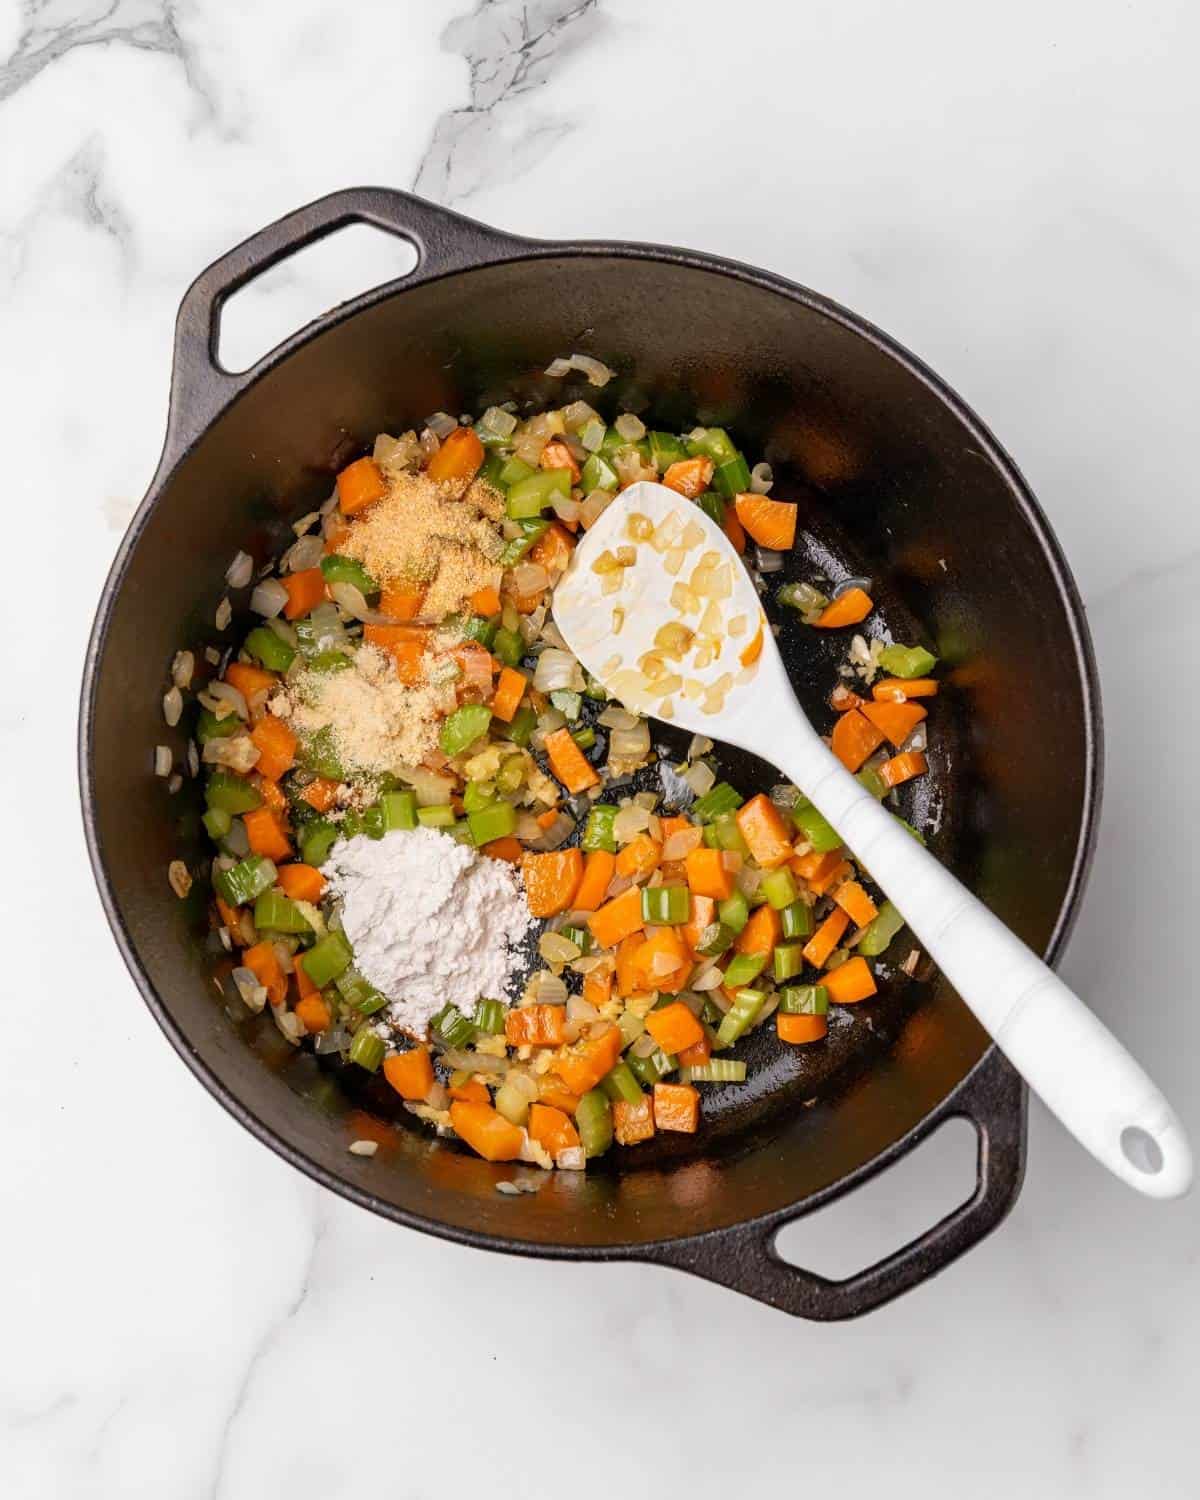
1080	1070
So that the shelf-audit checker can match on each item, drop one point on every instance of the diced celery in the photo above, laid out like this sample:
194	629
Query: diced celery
529	497
230	793
717	1070
478	795
719	799
520	730
278	912
713	507
666	449
358	991
476	628
734	911
621	1084
580	936
316	838
217	823
649	1070
465	725
907	661
399	810
729	835
317	754
366	1049
489	1017
598	831
593	1114
568	703
788	960
598	474
880	931
494	822
338	569
746	1005
209	727
816	829
246	881
666	904
744	967
452	1026
436	817
796	920
732	478
714	443
874	782
804	1000
779	887
508	646
326	959
514	471
270	650
714	940
585	738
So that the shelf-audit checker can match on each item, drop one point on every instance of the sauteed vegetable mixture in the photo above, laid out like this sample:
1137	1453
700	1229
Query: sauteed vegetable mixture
404	673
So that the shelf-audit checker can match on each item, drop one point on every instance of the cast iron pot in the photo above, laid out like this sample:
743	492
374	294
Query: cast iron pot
897	480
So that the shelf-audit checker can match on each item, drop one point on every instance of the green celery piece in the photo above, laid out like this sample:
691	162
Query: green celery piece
279	913
717	800
358	991
516	549
594	689
366	1049
567	702
217	823
352	824
230	793
511	774
732	478
209	727
269	649
713	507
494	822
669	905
597	474
802	597
465	725
788	960
493	464
734	911
715	940
649	1070
712	838
399	810
880	930
436	817
796	920
246	881
338	569
743	968
817	830
317	754
476	628
728	835
508	646
598	830
804	1000
453	1027
746	1005
580	936
714	443
907	661
874	782
520	730
477	795
374	824
779	887
593	1116
330	661
529	497
916	832
514	471
585	738
490	1016
316	838
621	1084
327	958
718	1070
666	449
460	832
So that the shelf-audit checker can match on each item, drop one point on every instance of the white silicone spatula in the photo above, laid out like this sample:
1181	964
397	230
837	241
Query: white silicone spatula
1081	1071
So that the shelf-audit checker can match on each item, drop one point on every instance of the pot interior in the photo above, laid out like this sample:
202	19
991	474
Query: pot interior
894	483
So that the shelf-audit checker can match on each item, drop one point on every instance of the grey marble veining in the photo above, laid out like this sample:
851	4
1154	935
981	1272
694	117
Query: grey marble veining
1008	192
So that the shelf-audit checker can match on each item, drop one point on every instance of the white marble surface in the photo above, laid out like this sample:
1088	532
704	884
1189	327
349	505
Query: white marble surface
1010	191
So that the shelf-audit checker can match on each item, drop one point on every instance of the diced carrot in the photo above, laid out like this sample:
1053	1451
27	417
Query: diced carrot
707	875
336	539
772	523
249	680
761	932
359	485
843	698
305	590
301	882
509	691
627	970
410	1073
553	549
689	476
483	1128
525	604
895	720
266	835
633	1122
640	857
597	874
695	1055
901	689
850	608
276	747
582	1066
314	1014
401	604
551	881
546	819
749	654
676	1107
320	794
485	601
536	1026
826	938
506	848
230	918
817	867
854	739
704	914
304	985
597	987
668	826
663	945
263	963
674	1028
471	1092
903	768
553	1130
568	762
405	644
459	457
556	455
850	982
273	795
553	1091
733	530
767	835
800	1028
855	902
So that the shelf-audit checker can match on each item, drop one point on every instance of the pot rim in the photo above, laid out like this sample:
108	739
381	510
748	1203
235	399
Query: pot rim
174	453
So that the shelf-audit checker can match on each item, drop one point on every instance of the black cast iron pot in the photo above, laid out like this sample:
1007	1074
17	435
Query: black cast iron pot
896	480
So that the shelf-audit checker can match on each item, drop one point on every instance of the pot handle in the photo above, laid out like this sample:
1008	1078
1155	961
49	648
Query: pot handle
744	1258
200	385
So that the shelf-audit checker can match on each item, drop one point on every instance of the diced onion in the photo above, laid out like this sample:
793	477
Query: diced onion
629	822
441	423
581	1010
530	578
268	597
761	479
304	554
550	989
598	374
285	631
768	561
558	833
556	949
615	717
851	583
163	760
567	510
630	744
557	670
708	979
239	571
350	598
225	692
701	777
631	428
499	421
578	415
172	706
681	844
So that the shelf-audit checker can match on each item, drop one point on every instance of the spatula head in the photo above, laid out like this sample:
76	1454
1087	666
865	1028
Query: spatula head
659	607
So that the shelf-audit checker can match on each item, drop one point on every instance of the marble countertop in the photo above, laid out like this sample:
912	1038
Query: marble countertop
1009	191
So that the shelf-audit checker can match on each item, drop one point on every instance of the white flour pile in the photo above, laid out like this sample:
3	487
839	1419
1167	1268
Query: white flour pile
430	920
